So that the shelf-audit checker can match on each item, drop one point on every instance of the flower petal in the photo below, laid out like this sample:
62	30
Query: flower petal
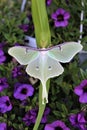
78	91
60	11
61	24
66	15
54	16
83	98
49	127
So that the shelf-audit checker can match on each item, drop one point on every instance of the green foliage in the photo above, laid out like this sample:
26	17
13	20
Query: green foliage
62	100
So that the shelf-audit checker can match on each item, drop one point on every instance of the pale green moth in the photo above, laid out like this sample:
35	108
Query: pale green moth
44	63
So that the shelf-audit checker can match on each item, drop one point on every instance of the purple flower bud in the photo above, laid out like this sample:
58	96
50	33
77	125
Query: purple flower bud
24	27
48	2
2	56
16	72
3	84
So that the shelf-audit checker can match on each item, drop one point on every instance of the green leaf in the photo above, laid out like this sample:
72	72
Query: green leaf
57	113
64	109
41	23
12	116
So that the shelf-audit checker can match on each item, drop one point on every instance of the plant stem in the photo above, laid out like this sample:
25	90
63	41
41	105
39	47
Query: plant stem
41	106
41	24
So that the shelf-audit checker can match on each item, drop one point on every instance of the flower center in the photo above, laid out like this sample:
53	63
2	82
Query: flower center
58	128
7	103
76	119
24	91
60	18
85	116
85	88
1	82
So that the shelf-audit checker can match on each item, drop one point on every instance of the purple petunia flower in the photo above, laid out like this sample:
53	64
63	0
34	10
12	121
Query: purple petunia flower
22	91
60	18
78	120
2	56
46	113
3	84
48	2
81	91
24	27
16	71
31	115
56	125
5	104
3	126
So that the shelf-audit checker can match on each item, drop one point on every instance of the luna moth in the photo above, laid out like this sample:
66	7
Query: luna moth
45	63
